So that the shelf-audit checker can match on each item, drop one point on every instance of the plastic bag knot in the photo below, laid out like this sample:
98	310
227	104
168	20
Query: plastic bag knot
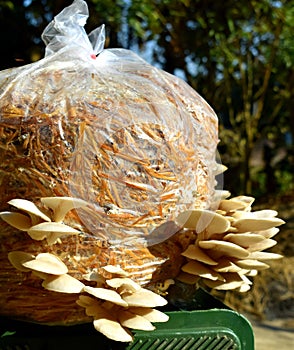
66	30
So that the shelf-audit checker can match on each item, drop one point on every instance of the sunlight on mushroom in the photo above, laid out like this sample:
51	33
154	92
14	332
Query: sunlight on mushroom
29	208
62	205
63	284
18	258
106	294
222	257
51	231
47	263
200	220
20	221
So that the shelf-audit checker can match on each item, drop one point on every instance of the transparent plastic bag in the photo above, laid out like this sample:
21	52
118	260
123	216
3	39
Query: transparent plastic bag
134	142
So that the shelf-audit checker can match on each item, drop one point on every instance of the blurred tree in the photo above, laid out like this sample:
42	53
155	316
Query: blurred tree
238	55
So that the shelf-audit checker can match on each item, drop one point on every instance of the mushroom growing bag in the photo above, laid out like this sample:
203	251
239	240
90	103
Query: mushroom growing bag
132	144
107	190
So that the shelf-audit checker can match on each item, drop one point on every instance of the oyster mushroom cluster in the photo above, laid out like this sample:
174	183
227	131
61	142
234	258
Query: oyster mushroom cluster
116	304
224	248
229	245
43	224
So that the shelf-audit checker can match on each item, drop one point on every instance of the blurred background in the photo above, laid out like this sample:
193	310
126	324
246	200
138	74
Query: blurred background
239	56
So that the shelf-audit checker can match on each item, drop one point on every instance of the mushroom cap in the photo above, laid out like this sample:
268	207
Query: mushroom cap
150	314
48	227
200	220
232	281
144	298
265	244
199	269
222	194
187	278
264	256
245	199
219	169
269	233
226	265
252	273
51	231
29	208
261	214
226	248
47	263
85	300
196	253
106	294
244	288
131	320
126	283
251	264
62	205
107	325
18	258
20	221
256	224
232	204
244	239
63	284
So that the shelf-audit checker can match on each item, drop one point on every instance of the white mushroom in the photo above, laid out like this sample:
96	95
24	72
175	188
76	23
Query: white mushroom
151	315
228	205
92	306
252	273
264	256
201	220
85	301
232	281
144	298
245	199
222	194
256	224
244	288
226	248
62	205
125	283
270	233
47	263
18	258
187	278
63	284
196	253
29	208
244	239
219	169
226	265
265	244
199	269
251	264
51	231
130	320
20	221
107	325
106	294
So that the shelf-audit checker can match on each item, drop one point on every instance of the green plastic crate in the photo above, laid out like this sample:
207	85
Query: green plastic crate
201	330
218	329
